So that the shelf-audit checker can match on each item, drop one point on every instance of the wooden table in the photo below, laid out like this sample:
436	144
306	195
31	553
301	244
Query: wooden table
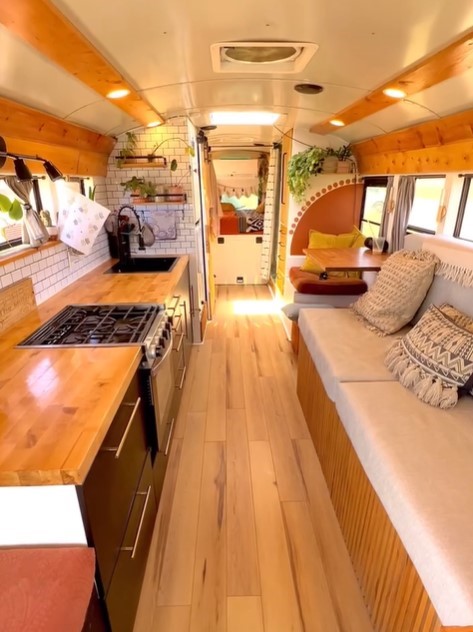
347	259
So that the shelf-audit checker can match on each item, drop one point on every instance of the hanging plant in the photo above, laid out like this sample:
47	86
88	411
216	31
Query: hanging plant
301	167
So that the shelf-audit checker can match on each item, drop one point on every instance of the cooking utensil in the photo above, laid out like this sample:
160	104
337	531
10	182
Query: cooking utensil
148	234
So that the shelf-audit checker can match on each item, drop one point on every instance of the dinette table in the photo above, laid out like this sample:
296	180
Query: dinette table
347	259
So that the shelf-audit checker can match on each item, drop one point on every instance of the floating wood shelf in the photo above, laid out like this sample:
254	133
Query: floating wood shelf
159	162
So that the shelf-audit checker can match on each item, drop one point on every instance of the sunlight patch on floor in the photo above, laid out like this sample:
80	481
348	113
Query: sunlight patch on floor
256	308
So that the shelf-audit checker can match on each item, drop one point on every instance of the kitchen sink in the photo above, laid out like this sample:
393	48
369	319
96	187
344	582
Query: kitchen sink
143	264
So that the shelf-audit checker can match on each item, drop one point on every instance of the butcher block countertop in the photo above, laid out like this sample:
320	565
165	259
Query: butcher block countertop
56	405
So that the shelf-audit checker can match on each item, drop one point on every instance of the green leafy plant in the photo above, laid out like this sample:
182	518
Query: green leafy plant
190	151
140	187
11	208
128	149
91	192
343	153
301	167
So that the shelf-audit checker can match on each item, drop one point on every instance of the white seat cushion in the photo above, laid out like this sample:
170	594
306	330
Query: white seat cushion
419	461
343	349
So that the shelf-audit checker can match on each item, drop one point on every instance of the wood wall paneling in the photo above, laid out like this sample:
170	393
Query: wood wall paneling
442	159
393	592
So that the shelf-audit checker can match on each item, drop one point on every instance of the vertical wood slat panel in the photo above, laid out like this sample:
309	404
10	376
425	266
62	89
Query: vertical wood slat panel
393	592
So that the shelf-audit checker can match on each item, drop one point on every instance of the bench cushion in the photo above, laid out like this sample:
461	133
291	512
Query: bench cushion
418	460
343	350
310	283
45	589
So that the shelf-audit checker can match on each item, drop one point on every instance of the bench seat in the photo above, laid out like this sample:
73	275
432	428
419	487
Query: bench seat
418	460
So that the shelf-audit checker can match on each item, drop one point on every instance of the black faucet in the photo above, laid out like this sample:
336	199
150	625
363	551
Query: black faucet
124	237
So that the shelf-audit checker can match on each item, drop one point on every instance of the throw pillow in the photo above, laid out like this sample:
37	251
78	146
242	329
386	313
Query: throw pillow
436	357
326	240
398	291
359	238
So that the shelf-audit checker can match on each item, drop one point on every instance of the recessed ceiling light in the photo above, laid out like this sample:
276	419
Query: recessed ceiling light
395	93
154	124
118	94
337	123
308	88
243	118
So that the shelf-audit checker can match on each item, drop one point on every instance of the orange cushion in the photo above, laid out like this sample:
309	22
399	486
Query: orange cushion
227	207
45	590
310	283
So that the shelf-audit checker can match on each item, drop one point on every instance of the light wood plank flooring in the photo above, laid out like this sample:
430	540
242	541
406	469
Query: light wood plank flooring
246	539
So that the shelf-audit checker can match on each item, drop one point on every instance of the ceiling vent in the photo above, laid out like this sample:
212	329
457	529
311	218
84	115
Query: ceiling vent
261	57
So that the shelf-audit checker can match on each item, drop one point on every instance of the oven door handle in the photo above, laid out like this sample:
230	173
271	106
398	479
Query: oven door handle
157	363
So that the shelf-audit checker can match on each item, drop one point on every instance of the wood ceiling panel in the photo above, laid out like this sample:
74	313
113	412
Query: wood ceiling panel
449	62
39	23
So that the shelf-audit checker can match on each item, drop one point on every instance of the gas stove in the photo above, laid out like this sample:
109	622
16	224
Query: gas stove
102	325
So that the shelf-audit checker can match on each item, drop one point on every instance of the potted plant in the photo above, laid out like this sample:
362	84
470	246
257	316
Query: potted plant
141	191
344	154
301	167
330	162
175	192
127	151
190	151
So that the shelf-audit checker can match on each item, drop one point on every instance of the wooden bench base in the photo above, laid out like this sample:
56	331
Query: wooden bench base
394	595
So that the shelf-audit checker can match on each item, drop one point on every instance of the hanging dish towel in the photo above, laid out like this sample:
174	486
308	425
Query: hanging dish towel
79	219
165	225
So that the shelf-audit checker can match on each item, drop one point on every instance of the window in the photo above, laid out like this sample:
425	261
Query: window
427	200
372	207
464	225
10	230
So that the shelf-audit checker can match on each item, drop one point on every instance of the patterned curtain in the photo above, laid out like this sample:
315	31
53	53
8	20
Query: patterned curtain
383	229
405	198
36	233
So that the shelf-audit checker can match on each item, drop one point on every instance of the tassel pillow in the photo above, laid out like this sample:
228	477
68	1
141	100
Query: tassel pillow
399	289
435	359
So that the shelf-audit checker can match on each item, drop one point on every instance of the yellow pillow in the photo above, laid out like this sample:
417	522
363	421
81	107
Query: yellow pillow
359	240
326	240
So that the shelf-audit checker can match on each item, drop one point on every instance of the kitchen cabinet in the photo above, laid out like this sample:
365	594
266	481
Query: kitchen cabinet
119	507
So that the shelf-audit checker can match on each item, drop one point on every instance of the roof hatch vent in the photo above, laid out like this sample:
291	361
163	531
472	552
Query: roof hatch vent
261	57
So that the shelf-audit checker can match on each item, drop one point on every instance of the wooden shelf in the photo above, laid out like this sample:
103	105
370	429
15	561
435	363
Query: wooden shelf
143	165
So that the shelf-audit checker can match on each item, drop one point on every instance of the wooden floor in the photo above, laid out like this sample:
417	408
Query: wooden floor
246	539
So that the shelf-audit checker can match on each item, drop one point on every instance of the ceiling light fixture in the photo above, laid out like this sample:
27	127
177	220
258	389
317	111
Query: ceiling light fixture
243	118
308	88
21	169
337	123
394	93
154	124
118	94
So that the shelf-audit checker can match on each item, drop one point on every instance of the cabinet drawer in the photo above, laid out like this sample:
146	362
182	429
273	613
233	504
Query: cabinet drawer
125	587
111	484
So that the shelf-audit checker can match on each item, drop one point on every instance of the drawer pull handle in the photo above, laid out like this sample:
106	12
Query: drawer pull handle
119	448
176	303
134	548
177	324
183	377
179	344
184	307
168	442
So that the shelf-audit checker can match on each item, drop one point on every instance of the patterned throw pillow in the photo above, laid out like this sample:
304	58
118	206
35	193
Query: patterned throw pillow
398	291
436	357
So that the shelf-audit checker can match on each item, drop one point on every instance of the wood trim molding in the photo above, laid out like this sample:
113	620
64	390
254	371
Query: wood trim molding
20	121
40	24
441	159
444	64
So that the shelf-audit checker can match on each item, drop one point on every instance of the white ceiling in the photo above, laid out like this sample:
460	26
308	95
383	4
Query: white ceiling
163	49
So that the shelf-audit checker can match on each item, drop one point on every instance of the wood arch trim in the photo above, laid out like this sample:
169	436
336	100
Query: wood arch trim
336	211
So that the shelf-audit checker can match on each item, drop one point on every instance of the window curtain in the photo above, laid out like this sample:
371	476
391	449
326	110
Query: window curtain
35	232
383	229
405	199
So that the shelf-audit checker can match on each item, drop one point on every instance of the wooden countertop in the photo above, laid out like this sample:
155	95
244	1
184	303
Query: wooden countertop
56	405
